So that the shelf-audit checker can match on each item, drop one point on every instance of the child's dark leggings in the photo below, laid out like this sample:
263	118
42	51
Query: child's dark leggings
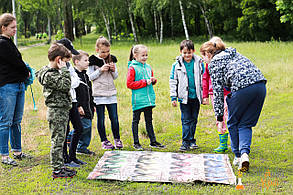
148	123
74	117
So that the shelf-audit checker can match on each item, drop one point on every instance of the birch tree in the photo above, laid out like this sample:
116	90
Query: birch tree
183	20
131	20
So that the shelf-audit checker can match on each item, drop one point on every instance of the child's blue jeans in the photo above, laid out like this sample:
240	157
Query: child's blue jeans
244	107
86	135
189	114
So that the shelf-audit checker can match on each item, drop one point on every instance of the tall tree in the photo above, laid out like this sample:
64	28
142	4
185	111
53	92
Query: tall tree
68	19
131	20
183	20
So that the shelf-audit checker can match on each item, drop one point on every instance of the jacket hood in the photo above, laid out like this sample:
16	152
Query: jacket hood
227	54
41	73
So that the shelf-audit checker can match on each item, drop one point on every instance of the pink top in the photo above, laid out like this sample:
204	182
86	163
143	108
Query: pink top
207	84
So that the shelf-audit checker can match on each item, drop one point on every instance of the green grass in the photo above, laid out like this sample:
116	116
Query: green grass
272	137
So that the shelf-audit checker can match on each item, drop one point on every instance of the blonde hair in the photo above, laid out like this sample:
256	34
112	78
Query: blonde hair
79	56
212	46
102	41
135	49
5	20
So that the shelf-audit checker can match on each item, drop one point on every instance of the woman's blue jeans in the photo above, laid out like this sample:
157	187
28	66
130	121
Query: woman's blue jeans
12	97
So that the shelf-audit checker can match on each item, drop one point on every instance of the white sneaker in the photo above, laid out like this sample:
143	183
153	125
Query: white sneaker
236	161
244	163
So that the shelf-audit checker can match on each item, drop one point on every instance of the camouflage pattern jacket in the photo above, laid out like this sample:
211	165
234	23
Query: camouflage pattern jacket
56	85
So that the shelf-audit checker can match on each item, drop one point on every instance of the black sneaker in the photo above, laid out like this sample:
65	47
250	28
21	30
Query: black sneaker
22	156
184	148
137	146
156	145
63	173
86	151
80	162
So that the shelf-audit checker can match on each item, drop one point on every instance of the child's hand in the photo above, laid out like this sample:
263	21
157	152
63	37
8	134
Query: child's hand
205	101
105	68
174	103
61	64
149	81
81	111
112	67
153	80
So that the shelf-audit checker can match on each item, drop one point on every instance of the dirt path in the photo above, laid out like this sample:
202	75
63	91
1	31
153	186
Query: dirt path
34	45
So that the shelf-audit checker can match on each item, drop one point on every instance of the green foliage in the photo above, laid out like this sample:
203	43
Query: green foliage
286	9
59	35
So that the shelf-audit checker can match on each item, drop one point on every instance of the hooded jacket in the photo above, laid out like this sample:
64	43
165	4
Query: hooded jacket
56	87
233	70
143	95
179	80
12	67
84	94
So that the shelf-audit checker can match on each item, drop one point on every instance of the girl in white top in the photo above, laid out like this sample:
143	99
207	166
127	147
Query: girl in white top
102	72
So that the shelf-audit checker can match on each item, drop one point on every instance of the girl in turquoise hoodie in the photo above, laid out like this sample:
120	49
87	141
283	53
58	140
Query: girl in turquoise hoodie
140	80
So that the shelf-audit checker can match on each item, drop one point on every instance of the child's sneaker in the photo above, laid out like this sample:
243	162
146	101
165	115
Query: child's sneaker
137	146
63	173
79	162
86	151
72	164
236	161
244	163
156	145
184	148
22	156
106	145
9	161
193	146
118	143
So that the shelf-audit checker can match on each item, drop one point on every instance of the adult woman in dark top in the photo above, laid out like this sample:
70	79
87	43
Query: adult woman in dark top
13	73
230	69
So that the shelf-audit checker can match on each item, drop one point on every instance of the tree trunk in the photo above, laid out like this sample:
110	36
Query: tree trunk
156	24
68	19
206	20
172	23
49	29
88	28
183	20
114	23
107	23
162	25
131	21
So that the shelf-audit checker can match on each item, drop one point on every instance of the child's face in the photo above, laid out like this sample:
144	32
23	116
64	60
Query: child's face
187	54
83	63
103	51
206	57
141	56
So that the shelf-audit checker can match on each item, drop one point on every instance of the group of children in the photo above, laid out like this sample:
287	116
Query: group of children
74	94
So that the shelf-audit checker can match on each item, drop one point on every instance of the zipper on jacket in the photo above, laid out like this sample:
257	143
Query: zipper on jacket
89	97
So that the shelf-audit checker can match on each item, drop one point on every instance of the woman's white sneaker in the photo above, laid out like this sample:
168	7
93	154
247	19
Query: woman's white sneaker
244	163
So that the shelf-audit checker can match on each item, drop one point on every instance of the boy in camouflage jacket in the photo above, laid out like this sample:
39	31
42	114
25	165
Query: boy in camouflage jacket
56	82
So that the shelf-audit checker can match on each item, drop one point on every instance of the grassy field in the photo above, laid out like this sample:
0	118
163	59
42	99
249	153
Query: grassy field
271	149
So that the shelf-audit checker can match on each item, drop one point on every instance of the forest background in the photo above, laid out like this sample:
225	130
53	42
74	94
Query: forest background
245	20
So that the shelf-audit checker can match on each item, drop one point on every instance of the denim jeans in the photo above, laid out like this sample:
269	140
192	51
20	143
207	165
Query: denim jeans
244	108
86	135
11	110
189	114
113	115
148	124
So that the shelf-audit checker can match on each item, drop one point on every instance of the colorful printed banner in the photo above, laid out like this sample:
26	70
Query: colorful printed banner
164	167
